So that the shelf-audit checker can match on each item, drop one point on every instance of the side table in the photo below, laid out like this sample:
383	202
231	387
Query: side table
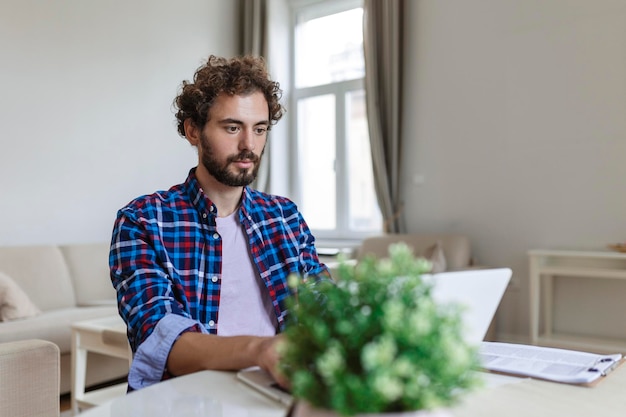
106	336
547	264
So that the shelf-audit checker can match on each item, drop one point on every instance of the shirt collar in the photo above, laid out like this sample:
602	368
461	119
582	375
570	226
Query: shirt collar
203	204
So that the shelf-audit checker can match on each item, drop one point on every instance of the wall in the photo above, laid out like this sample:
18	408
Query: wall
86	115
514	117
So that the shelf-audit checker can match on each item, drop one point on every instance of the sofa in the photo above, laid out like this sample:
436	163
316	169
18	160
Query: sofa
29	379
46	288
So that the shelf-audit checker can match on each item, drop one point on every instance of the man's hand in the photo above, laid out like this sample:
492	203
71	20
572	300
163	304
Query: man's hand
269	358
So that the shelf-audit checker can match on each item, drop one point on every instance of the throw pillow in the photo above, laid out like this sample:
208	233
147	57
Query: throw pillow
14	303
435	255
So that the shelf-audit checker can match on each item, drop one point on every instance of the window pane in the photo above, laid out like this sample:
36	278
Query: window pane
364	215
330	49
316	140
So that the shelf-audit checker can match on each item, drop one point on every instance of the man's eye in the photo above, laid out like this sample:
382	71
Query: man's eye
261	130
232	129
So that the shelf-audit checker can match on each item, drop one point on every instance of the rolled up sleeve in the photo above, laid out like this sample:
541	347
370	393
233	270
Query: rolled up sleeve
150	360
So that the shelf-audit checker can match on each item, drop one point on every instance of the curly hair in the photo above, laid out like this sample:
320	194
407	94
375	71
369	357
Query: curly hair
235	76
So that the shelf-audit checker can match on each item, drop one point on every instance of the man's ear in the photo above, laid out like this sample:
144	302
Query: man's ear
192	133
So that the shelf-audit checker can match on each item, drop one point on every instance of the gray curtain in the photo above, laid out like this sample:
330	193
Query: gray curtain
253	41
382	43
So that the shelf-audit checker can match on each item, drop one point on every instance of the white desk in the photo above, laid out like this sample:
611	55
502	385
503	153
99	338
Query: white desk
220	394
202	394
547	264
106	336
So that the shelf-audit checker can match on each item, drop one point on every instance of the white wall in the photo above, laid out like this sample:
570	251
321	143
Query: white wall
86	115
516	120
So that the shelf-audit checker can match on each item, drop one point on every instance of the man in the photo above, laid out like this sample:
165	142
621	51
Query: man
201	269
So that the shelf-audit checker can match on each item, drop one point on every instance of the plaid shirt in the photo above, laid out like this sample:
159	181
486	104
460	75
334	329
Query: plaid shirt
165	262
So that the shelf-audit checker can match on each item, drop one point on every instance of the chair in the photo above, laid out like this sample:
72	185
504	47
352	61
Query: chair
29	379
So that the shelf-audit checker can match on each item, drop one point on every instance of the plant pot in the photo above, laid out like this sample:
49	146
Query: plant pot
304	409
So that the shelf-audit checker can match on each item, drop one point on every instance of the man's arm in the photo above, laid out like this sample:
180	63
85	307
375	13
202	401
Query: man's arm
195	351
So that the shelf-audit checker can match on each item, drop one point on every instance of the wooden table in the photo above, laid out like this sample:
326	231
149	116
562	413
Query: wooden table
106	336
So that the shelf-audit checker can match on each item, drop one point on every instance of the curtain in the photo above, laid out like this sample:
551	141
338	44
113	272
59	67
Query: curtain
382	44
253	41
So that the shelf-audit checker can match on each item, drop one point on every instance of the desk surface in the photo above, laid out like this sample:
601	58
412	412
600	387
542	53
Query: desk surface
202	394
220	394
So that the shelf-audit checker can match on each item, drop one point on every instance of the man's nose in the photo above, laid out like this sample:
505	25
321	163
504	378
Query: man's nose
247	140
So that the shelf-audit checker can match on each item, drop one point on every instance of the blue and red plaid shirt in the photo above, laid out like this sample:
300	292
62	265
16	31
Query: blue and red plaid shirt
165	262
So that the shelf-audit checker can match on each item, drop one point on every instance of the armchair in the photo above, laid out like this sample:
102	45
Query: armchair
455	252
29	379
447	252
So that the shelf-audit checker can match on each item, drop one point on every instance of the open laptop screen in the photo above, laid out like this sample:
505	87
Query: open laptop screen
479	291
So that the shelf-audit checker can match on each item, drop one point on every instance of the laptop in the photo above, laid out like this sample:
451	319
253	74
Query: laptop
479	291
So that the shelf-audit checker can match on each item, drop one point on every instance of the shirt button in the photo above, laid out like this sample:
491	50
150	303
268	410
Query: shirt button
211	209
214	278
211	323
204	215
216	236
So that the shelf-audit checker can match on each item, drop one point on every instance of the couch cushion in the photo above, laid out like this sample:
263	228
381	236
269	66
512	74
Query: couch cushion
89	269
14	302
52	325
41	272
435	255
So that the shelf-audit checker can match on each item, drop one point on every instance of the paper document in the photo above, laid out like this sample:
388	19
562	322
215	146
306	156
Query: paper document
560	365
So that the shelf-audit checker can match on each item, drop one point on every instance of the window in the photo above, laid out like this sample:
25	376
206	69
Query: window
335	185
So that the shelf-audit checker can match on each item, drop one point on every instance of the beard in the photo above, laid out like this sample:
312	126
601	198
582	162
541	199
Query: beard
221	170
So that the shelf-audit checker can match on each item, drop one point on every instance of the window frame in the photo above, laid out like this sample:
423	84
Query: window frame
341	235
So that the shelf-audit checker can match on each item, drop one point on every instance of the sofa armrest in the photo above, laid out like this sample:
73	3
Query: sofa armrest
29	378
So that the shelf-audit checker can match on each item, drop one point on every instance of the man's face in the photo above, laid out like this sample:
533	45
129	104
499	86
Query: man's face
233	139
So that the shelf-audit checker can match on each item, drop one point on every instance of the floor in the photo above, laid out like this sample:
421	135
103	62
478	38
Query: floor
65	404
65	401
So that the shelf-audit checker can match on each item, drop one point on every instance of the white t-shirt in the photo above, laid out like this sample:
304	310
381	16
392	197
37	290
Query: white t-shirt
245	305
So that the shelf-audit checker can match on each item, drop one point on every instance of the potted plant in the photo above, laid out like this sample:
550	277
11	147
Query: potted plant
375	342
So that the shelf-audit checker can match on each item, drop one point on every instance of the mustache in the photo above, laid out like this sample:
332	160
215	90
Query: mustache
244	156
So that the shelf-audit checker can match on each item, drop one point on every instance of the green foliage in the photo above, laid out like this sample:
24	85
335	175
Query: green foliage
376	341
